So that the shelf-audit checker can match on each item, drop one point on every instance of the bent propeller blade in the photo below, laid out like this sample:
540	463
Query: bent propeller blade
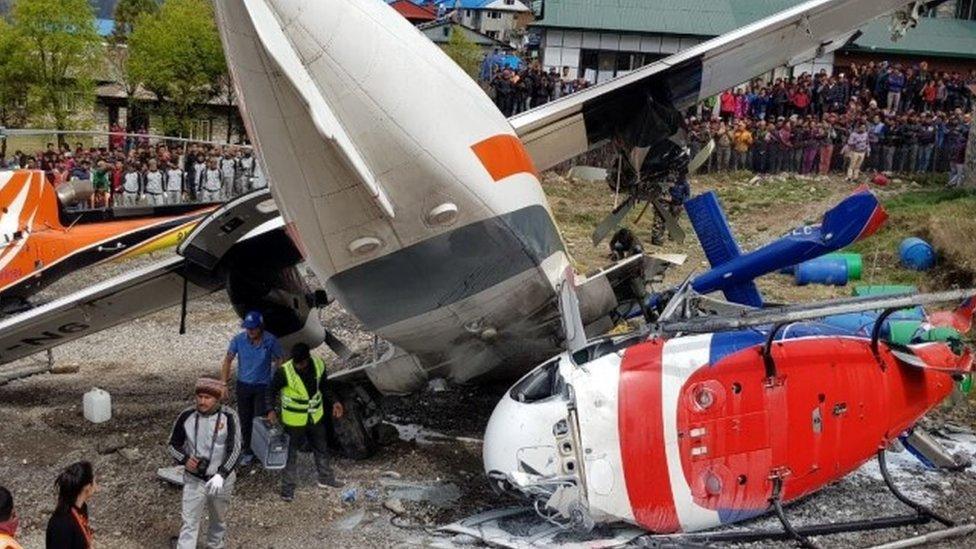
611	221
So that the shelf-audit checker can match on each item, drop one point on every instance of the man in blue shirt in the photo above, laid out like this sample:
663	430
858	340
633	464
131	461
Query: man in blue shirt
258	355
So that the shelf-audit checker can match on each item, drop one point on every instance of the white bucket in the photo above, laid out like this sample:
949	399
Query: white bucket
98	406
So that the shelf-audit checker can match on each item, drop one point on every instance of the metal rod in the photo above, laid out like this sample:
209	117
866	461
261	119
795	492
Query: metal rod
931	537
919	508
866	525
30	132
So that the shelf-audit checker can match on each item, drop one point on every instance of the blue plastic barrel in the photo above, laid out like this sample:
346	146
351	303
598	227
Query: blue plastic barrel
916	254
827	271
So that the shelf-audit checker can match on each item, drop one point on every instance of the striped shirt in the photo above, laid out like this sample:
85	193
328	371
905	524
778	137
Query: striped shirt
216	437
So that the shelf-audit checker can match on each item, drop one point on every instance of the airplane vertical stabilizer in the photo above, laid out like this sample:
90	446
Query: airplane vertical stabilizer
718	243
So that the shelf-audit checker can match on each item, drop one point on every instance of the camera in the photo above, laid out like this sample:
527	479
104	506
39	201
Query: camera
202	465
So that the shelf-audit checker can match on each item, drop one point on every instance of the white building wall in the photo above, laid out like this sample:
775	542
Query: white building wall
564	48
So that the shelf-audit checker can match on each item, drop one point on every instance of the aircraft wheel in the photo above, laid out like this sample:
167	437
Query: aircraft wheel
355	430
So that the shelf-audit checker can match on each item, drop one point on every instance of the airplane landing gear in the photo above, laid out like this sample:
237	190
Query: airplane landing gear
360	431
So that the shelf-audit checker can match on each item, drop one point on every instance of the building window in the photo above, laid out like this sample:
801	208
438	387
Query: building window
467	13
447	31
492	34
509	2
606	64
494	15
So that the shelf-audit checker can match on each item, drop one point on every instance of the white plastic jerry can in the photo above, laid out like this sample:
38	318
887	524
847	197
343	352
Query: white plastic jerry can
98	405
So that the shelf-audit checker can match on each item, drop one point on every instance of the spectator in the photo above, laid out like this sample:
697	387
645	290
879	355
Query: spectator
723	144
153	184
741	142
857	147
68	527
9	521
100	185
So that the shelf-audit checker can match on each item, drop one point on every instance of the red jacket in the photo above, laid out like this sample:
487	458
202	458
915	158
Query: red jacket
727	101
801	100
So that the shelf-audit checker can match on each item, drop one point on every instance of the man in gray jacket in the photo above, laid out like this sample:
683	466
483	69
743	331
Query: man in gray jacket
206	441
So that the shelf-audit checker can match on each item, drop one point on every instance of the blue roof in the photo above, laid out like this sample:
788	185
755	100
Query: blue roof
104	27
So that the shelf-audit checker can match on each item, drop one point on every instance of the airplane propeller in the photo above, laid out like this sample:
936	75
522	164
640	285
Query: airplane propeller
620	211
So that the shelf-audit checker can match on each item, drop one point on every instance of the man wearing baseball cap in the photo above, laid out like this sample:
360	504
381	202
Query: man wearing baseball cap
258	355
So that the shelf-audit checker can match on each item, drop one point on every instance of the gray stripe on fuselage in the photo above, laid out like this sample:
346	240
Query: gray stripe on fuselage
446	268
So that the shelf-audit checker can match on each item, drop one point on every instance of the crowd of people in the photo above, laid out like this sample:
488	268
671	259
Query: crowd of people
515	91
211	441
884	117
880	117
131	171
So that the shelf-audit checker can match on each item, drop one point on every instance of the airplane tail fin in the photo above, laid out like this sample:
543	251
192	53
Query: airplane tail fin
857	217
27	200
718	243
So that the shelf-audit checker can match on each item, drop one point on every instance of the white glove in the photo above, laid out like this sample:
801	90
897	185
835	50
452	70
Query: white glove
215	484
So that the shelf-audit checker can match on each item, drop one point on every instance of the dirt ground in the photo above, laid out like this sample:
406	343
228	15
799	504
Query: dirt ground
148	369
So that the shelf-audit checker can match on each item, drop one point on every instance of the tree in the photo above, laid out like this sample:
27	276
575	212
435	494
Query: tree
176	54
62	50
464	52
14	75
127	12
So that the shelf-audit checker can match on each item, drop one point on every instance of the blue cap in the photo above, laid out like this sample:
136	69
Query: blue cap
252	319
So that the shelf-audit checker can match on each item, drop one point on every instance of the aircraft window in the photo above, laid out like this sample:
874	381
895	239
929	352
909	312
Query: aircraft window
541	384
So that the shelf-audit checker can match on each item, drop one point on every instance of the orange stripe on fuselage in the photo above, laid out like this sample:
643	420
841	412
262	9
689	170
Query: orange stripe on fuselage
504	155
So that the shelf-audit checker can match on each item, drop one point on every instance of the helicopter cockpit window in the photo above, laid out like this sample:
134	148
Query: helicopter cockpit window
539	385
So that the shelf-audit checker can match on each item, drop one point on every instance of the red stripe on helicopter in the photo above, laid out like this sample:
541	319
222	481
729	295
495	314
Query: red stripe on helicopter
503	156
642	438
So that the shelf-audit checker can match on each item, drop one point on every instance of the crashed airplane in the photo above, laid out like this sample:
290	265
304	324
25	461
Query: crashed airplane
419	208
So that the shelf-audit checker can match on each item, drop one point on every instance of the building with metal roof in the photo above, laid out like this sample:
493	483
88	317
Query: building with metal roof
600	39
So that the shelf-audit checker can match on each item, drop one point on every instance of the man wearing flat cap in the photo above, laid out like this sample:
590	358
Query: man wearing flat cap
206	441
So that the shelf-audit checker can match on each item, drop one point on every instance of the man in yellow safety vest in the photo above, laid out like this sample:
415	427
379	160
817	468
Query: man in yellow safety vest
299	389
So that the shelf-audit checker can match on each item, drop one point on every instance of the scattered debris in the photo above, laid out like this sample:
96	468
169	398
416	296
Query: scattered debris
172	475
350	520
421	435
438	494
131	455
395	505
59	369
437	385
519	527
349	495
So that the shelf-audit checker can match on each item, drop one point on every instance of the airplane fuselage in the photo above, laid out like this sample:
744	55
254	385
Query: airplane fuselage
429	227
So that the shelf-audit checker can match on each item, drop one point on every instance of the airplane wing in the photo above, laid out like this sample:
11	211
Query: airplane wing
102	306
570	126
144	291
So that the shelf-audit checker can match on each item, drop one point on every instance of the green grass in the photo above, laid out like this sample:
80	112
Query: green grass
922	213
